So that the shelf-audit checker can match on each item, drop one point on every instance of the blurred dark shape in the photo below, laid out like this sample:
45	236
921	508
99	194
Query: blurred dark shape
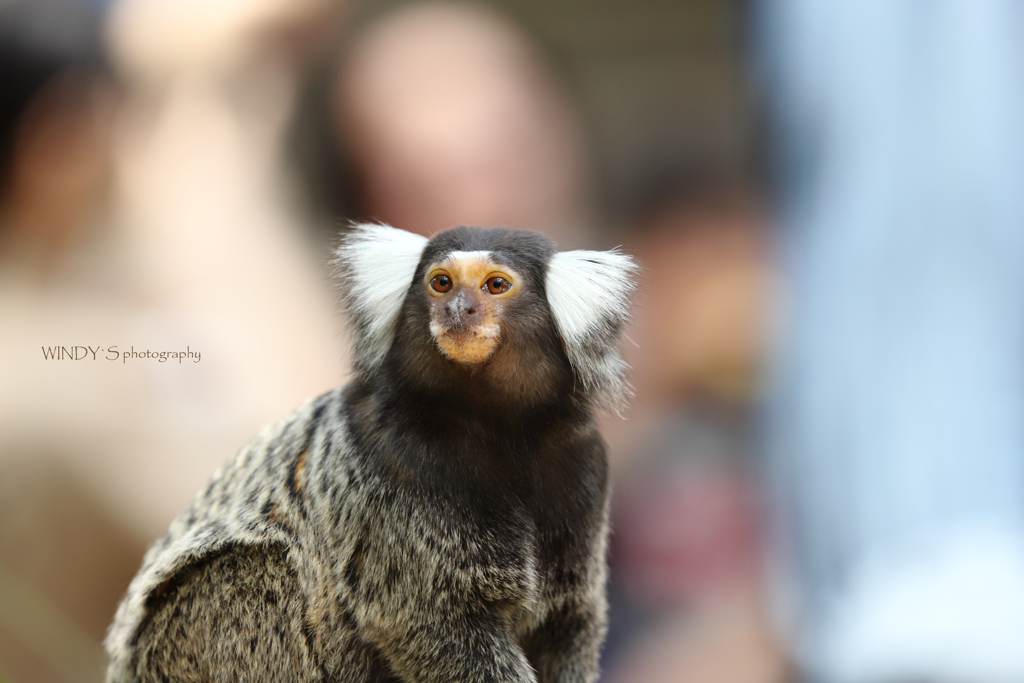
703	303
53	125
686	514
452	118
686	519
38	39
64	560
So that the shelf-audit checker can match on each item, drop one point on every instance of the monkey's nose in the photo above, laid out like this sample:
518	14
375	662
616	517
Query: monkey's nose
454	309
461	310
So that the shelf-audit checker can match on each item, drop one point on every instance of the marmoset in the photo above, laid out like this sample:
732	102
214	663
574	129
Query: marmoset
442	517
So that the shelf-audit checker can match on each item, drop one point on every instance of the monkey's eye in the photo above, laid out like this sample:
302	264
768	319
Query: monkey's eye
498	285
441	283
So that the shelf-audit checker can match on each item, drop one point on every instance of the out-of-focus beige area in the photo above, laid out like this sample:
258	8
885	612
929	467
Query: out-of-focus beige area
494	141
173	175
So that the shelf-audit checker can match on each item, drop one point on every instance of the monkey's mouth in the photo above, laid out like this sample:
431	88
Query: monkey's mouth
467	344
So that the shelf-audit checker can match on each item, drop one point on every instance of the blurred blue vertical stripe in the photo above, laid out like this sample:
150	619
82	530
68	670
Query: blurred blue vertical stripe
897	440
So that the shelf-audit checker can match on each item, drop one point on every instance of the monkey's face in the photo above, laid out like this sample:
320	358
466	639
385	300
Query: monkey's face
468	295
486	313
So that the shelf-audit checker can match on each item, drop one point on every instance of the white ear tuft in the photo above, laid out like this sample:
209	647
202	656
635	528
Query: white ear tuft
589	294
376	264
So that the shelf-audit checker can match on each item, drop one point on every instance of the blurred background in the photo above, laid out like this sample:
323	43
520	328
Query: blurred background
173	174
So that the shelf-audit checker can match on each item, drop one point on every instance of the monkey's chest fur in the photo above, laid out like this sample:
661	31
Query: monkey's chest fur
355	532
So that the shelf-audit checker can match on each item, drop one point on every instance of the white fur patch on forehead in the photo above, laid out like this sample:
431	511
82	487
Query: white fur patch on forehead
589	293
376	264
453	256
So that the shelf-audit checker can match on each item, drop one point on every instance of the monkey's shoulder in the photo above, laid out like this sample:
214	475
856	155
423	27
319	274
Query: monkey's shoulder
263	503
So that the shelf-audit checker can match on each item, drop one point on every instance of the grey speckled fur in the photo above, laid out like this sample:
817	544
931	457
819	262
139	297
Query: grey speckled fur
330	550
